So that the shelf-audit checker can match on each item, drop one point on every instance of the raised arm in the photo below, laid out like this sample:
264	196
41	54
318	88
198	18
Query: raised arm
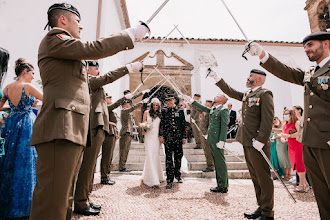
116	104
233	93
97	82
201	107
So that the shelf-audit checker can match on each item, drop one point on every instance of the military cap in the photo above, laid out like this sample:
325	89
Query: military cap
197	95
107	95
62	6
317	36
127	91
92	63
127	101
169	97
260	72
208	100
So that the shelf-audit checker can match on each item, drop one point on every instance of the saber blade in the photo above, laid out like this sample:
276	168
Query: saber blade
157	11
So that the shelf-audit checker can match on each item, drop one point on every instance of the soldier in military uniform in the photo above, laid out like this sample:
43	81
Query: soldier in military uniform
66	106
204	126
99	127
253	133
172	134
216	137
126	131
195	116
316	130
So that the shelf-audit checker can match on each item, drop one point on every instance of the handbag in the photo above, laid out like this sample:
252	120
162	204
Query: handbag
2	147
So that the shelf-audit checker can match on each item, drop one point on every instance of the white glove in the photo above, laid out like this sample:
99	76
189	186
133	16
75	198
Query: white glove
186	98
145	91
255	49
146	100
134	67
214	75
129	96
220	144
138	32
257	145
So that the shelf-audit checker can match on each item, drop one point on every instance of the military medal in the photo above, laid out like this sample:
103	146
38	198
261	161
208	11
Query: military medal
254	101
323	82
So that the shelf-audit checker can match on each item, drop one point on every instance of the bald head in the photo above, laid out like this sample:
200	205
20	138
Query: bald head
220	99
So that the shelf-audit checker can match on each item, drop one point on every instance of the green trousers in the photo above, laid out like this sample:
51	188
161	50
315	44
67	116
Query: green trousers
220	165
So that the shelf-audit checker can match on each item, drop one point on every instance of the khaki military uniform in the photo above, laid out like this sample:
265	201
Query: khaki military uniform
126	119
110	141
204	127
257	120
60	130
195	114
99	125
316	131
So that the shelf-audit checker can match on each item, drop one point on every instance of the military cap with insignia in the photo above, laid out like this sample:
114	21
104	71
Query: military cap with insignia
62	6
169	97
92	63
260	72
197	95
317	36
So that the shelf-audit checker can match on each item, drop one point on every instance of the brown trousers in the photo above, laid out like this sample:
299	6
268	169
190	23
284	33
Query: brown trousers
107	154
261	178
318	170
207	153
86	172
57	166
124	146
196	134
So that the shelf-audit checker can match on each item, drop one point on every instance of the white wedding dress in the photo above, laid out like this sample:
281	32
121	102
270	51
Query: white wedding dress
152	171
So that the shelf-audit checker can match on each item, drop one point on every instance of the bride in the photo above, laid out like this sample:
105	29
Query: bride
152	172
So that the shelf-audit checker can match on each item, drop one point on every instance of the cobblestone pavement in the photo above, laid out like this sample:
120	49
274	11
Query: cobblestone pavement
131	199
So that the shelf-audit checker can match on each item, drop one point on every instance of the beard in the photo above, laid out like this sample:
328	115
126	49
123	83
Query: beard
249	83
316	54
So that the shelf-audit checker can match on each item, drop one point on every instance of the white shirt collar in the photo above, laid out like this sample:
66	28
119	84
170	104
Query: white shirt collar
254	89
323	62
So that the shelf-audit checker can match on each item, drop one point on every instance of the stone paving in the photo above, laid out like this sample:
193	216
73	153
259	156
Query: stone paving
129	198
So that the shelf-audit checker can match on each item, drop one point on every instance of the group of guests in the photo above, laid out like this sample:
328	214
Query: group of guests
74	122
287	149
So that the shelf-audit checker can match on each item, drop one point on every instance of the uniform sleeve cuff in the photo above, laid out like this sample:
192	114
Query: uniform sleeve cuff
129	68
130	35
265	58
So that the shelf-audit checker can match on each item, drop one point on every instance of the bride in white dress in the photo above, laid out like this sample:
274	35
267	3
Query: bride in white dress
152	172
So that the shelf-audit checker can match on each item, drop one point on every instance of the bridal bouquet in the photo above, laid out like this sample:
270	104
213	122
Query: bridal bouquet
146	126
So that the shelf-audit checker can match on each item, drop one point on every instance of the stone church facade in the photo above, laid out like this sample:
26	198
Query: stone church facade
318	15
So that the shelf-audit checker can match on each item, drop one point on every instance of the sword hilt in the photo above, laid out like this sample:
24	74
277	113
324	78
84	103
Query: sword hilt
247	49
209	70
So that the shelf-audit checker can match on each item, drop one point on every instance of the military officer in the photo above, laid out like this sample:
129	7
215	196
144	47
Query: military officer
66	106
195	115
204	127
316	129
126	131
99	127
216	137
172	134
253	133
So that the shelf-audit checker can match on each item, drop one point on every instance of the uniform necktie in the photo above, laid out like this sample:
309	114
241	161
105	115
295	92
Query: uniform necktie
316	68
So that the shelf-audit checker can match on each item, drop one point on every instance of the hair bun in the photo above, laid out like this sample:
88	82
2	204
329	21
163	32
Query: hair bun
19	61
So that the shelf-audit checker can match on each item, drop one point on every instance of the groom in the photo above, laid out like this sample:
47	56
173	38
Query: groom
172	134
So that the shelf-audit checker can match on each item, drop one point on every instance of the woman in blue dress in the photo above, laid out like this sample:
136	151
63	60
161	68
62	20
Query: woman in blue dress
18	165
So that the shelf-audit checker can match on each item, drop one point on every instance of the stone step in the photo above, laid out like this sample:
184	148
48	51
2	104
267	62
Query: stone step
191	158
232	174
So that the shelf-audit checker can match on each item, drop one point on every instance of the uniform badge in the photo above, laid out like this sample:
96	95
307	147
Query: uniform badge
253	101
63	36
323	82
176	114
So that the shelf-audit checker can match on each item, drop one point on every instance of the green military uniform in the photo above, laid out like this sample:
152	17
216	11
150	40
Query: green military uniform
204	127
218	127
99	125
257	120
110	141
60	130
316	131
126	119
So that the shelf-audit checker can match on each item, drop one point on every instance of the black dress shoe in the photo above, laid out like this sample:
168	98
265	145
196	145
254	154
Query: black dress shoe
169	185
207	170
107	182
253	215
219	189
87	211
179	180
124	170
263	217
94	206
197	147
